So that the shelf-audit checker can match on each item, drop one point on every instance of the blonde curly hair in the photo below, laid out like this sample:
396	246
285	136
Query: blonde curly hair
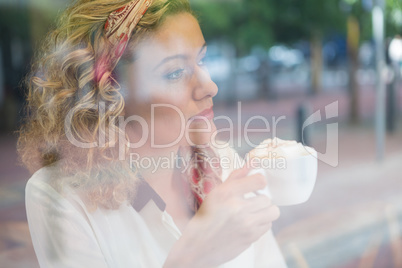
62	82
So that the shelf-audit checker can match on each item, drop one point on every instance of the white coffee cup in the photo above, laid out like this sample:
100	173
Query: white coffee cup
293	183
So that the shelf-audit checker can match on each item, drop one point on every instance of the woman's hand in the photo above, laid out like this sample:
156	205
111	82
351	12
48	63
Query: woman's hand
226	223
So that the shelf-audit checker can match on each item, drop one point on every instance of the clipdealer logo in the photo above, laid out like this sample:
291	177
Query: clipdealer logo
330	156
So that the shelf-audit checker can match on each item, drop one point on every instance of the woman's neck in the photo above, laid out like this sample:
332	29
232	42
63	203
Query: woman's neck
161	167
165	177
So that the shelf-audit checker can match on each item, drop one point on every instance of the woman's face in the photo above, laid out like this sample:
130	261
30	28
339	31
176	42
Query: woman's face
169	86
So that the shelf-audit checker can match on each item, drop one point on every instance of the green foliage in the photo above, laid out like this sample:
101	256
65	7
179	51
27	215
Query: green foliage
264	22
244	24
394	17
15	19
303	19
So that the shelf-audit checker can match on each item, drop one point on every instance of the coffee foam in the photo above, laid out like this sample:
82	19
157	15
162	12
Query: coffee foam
275	148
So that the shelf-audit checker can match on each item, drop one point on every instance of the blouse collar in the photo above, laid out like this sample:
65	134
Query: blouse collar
144	194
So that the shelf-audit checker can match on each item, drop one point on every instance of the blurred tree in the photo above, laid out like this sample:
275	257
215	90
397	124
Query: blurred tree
394	17
14	38
23	25
245	24
359	27
253	22
263	23
14	31
353	39
308	19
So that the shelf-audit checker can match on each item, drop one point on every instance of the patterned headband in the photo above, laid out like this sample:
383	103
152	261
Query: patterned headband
118	28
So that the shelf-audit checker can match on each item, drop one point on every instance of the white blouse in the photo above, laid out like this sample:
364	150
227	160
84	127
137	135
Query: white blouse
65	234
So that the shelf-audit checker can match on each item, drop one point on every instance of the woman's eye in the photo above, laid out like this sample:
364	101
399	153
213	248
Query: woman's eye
175	75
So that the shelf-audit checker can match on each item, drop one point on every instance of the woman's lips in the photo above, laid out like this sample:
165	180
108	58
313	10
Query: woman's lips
207	113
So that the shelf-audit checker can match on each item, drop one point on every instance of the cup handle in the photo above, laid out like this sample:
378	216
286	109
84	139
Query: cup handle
264	191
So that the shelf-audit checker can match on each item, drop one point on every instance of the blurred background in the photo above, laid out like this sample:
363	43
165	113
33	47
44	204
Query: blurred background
271	58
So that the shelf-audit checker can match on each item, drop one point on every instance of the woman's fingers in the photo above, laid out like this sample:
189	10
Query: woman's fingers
264	216
249	184
257	203
273	213
239	173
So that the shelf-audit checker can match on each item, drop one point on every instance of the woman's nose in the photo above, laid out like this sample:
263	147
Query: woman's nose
203	86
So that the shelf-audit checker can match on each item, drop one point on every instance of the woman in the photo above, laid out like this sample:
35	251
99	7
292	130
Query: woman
119	137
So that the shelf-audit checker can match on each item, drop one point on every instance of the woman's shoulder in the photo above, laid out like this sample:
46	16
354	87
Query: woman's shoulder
50	177
43	175
48	185
43	179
